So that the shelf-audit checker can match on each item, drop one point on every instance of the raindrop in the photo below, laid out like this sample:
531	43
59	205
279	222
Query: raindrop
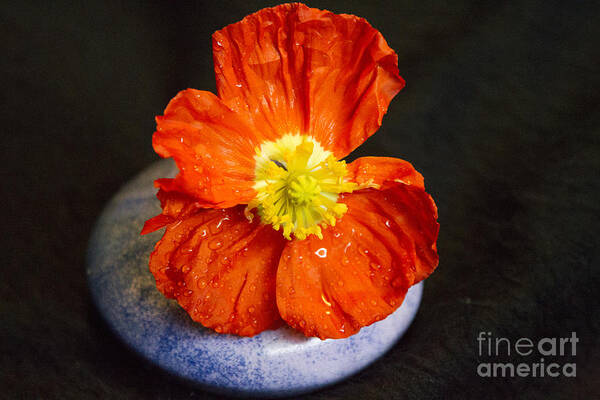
347	246
322	252
215	227
215	244
324	298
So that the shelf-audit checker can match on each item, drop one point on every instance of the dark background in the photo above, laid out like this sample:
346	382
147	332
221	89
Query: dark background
500	114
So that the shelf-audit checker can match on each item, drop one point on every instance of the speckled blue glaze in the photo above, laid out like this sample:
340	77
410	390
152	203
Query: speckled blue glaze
272	364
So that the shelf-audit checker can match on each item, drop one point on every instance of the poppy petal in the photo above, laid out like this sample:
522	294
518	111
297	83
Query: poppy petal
212	146
383	172
295	69
361	270
221	269
406	211
175	205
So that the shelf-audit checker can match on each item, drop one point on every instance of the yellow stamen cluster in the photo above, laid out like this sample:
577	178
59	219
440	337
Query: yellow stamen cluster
297	184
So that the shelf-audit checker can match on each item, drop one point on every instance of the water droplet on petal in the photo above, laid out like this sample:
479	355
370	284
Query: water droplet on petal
215	244
322	252
325	300
347	247
215	227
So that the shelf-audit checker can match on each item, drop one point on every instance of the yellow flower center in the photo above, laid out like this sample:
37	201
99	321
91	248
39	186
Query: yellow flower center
297	184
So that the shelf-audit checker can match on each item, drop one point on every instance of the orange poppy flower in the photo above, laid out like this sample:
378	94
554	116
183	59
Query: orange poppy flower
264	222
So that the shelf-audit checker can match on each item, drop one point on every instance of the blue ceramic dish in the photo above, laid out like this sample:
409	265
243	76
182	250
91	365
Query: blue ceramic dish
274	363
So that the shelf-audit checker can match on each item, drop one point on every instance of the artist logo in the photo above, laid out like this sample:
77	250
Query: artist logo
546	357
